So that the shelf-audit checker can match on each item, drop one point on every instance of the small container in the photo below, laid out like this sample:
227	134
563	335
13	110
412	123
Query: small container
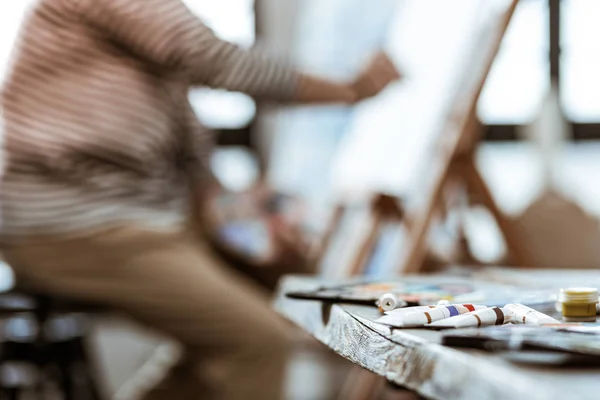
578	304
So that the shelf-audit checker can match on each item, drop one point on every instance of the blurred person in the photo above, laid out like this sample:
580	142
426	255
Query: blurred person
105	162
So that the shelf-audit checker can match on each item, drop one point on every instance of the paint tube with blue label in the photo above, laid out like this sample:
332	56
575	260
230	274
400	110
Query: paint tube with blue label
413	317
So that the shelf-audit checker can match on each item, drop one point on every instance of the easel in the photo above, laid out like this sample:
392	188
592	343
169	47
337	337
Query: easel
453	166
457	163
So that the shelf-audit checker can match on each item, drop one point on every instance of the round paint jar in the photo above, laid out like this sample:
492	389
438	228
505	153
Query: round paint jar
578	304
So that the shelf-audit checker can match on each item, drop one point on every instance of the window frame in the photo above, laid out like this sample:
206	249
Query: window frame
578	130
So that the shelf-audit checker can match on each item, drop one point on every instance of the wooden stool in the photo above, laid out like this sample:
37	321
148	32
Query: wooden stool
45	347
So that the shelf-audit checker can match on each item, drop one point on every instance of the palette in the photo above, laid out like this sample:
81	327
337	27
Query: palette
413	293
429	290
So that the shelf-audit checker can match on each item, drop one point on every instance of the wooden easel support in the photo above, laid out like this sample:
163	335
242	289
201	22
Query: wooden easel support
384	209
321	247
478	188
462	169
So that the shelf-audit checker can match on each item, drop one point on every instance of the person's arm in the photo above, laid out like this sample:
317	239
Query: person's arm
376	76
314	90
168	34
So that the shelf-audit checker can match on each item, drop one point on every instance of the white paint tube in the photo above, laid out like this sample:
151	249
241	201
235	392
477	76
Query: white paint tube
521	314
389	302
413	317
408	310
484	317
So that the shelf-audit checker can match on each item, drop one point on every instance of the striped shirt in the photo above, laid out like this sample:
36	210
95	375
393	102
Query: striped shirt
98	129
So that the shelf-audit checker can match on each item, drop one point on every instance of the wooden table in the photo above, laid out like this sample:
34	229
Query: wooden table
414	358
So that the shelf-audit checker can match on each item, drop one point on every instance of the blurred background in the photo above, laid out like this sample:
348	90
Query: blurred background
540	150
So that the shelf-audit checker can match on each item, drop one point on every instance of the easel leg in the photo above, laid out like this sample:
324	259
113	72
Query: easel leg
324	243
418	230
478	186
366	248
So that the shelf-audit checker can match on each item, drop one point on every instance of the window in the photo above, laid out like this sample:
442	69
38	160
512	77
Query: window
519	79
232	20
11	15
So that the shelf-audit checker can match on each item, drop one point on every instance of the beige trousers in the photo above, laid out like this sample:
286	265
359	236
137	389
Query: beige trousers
236	346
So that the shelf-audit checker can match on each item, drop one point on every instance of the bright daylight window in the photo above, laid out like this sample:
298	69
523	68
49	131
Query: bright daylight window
11	15
232	20
580	59
519	79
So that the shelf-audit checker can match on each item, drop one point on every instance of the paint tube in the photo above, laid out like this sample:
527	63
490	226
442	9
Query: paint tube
484	317
521	314
413	317
389	302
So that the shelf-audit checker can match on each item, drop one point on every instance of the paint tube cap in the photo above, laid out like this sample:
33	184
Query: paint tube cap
390	301
578	294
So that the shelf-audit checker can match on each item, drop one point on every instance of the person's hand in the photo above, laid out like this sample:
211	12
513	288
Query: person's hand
377	75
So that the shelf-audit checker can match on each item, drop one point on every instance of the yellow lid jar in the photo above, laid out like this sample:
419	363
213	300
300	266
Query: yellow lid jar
578	304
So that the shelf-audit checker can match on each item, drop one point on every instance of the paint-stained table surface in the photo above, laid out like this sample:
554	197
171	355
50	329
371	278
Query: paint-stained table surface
415	359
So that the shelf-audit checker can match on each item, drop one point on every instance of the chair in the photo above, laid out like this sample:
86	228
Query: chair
45	347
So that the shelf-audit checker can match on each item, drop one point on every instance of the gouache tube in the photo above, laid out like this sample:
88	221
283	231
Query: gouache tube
485	317
413	317
408	310
521	314
389	302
